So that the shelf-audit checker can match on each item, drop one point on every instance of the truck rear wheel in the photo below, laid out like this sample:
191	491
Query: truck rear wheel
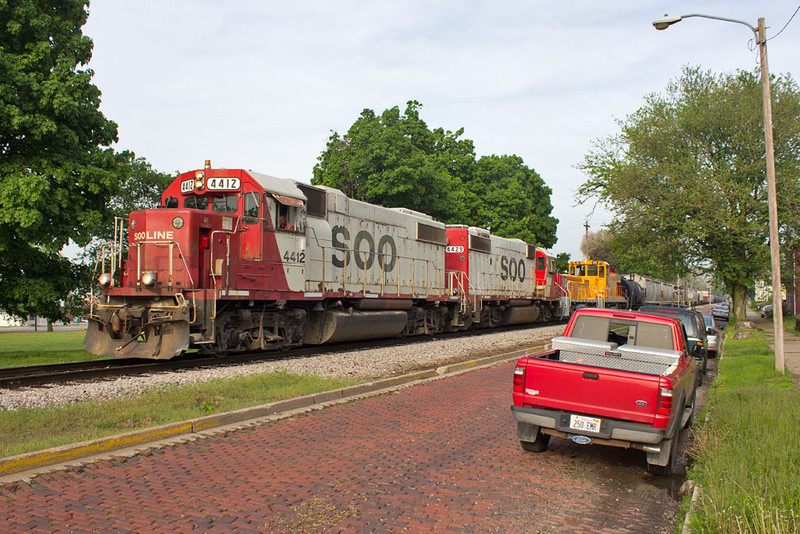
538	445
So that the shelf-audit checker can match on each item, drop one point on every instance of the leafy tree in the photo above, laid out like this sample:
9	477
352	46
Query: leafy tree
55	177
562	262
511	199
686	178
597	246
395	160
139	186
57	172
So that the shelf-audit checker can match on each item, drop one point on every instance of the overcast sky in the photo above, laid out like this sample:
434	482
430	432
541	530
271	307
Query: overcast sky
261	84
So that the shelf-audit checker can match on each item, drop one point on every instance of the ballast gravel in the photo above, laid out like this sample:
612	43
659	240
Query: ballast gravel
361	365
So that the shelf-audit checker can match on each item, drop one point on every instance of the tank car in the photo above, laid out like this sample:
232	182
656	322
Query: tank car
236	260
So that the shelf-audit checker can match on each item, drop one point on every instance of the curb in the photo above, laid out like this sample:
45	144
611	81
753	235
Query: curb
695	495
14	465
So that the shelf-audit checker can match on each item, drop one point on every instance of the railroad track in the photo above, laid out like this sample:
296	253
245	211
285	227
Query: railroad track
59	373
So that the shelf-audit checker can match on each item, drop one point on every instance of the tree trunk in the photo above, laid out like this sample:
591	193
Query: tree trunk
49	325
738	310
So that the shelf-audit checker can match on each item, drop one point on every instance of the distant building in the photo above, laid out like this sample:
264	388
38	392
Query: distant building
9	320
763	292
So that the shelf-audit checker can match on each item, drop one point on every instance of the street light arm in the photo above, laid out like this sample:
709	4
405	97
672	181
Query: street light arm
666	21
752	28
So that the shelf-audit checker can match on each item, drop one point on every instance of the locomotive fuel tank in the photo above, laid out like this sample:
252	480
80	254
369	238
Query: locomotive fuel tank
332	326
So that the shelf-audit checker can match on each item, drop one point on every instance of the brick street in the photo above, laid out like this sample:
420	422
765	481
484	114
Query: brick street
440	456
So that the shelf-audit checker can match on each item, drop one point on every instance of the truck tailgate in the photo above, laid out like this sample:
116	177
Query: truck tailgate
591	390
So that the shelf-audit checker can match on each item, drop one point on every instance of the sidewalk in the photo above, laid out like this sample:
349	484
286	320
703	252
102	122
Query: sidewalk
791	343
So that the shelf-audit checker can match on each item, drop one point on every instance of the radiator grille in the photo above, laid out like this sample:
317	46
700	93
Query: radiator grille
431	234
481	244
317	199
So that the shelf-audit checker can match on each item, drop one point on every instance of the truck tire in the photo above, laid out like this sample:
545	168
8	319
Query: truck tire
538	445
690	420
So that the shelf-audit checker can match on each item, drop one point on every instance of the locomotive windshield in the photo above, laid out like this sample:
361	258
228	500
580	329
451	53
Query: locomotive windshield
222	204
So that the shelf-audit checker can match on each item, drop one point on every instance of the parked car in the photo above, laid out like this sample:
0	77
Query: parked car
694	325
766	311
721	311
712	334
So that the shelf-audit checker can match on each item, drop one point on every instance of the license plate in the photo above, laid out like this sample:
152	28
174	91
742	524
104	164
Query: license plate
587	424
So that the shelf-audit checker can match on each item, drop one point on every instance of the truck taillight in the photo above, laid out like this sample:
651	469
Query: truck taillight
664	406
519	379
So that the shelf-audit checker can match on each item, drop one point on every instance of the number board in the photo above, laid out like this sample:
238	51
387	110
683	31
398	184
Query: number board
222	184
187	186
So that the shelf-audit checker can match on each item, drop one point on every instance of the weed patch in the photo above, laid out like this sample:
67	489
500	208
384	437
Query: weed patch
747	454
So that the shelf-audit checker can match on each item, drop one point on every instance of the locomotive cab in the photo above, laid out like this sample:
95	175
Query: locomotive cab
216	233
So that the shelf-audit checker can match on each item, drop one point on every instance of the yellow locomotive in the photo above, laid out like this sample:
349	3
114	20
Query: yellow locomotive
596	283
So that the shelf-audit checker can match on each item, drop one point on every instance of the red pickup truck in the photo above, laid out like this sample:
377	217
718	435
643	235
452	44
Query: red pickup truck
618	378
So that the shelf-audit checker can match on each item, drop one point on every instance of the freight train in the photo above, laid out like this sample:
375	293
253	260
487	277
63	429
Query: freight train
596	283
234	260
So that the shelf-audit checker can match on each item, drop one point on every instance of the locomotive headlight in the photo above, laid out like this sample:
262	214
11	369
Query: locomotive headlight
199	180
177	223
104	280
149	279
133	224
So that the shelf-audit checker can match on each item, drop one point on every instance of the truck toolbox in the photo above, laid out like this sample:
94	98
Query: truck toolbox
635	359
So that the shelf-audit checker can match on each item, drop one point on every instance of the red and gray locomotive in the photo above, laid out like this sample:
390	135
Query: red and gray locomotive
235	260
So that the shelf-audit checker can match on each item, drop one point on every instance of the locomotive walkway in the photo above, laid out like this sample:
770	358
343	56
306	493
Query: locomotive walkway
437	456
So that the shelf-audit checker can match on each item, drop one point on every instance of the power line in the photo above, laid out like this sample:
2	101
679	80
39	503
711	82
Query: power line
785	25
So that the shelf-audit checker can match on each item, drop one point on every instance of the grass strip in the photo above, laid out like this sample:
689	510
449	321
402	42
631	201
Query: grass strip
747	453
36	348
30	430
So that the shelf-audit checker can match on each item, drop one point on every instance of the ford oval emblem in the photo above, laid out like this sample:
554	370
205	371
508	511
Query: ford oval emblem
581	440
641	402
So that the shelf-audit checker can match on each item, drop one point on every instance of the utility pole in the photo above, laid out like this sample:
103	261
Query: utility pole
586	225
777	297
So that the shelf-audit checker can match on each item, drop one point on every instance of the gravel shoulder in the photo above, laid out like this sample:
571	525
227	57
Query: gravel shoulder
362	365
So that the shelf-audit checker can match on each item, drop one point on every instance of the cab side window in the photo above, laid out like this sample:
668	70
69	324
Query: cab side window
251	206
287	217
171	202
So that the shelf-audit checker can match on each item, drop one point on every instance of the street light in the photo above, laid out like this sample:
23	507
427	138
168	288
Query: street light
774	247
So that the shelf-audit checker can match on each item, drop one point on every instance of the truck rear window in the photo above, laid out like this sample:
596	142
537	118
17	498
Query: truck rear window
622	332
